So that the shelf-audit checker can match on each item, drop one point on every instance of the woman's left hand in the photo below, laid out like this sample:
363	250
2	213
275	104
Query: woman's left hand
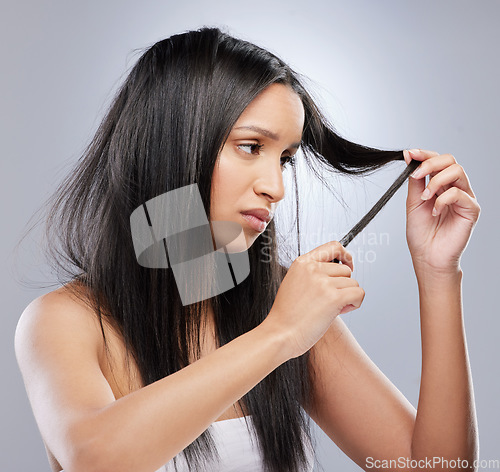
437	242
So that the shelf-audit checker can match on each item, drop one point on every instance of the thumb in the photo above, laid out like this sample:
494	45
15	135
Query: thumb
415	186
347	309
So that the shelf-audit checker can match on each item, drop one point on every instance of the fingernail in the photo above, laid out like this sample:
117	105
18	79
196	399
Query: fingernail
425	194
416	174
413	152
434	212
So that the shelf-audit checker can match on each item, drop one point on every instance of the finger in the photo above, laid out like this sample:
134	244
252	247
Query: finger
329	251
417	185
351	296
417	154
460	200
335	270
406	156
344	282
415	189
422	154
453	175
433	165
347	309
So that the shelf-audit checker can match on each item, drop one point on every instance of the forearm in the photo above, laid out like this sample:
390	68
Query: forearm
446	423
145	429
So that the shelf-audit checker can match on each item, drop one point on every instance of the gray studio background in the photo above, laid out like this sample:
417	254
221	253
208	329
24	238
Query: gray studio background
390	74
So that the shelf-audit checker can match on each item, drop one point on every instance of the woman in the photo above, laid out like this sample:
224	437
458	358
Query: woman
122	375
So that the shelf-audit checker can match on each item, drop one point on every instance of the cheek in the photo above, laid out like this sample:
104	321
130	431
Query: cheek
228	178
221	193
229	168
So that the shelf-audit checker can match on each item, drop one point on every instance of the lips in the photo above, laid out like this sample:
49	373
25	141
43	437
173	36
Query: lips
260	213
257	218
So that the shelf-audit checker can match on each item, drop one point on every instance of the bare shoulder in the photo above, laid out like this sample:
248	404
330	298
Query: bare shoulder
55	330
54	315
58	345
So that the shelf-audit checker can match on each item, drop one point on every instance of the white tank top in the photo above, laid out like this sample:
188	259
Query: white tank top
237	449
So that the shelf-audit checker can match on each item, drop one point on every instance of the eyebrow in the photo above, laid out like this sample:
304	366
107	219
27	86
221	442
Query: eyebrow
267	133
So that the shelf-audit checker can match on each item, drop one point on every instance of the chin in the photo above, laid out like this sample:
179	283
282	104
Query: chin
234	239
244	242
250	239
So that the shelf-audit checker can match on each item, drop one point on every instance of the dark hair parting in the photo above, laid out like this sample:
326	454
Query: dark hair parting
363	222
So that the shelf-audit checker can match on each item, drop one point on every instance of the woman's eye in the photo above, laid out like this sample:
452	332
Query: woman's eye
251	148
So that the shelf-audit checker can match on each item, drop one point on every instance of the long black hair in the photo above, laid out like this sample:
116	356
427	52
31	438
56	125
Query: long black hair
163	131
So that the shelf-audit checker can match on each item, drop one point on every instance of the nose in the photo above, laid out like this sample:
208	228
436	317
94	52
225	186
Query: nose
270	182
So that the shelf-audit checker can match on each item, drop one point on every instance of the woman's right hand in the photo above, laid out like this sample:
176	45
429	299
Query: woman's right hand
314	292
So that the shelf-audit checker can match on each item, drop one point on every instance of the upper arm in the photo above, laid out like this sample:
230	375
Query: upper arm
57	348
355	404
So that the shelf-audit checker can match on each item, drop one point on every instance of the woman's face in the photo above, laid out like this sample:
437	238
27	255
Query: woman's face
248	171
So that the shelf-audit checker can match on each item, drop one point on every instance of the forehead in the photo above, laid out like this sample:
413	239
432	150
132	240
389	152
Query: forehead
277	107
